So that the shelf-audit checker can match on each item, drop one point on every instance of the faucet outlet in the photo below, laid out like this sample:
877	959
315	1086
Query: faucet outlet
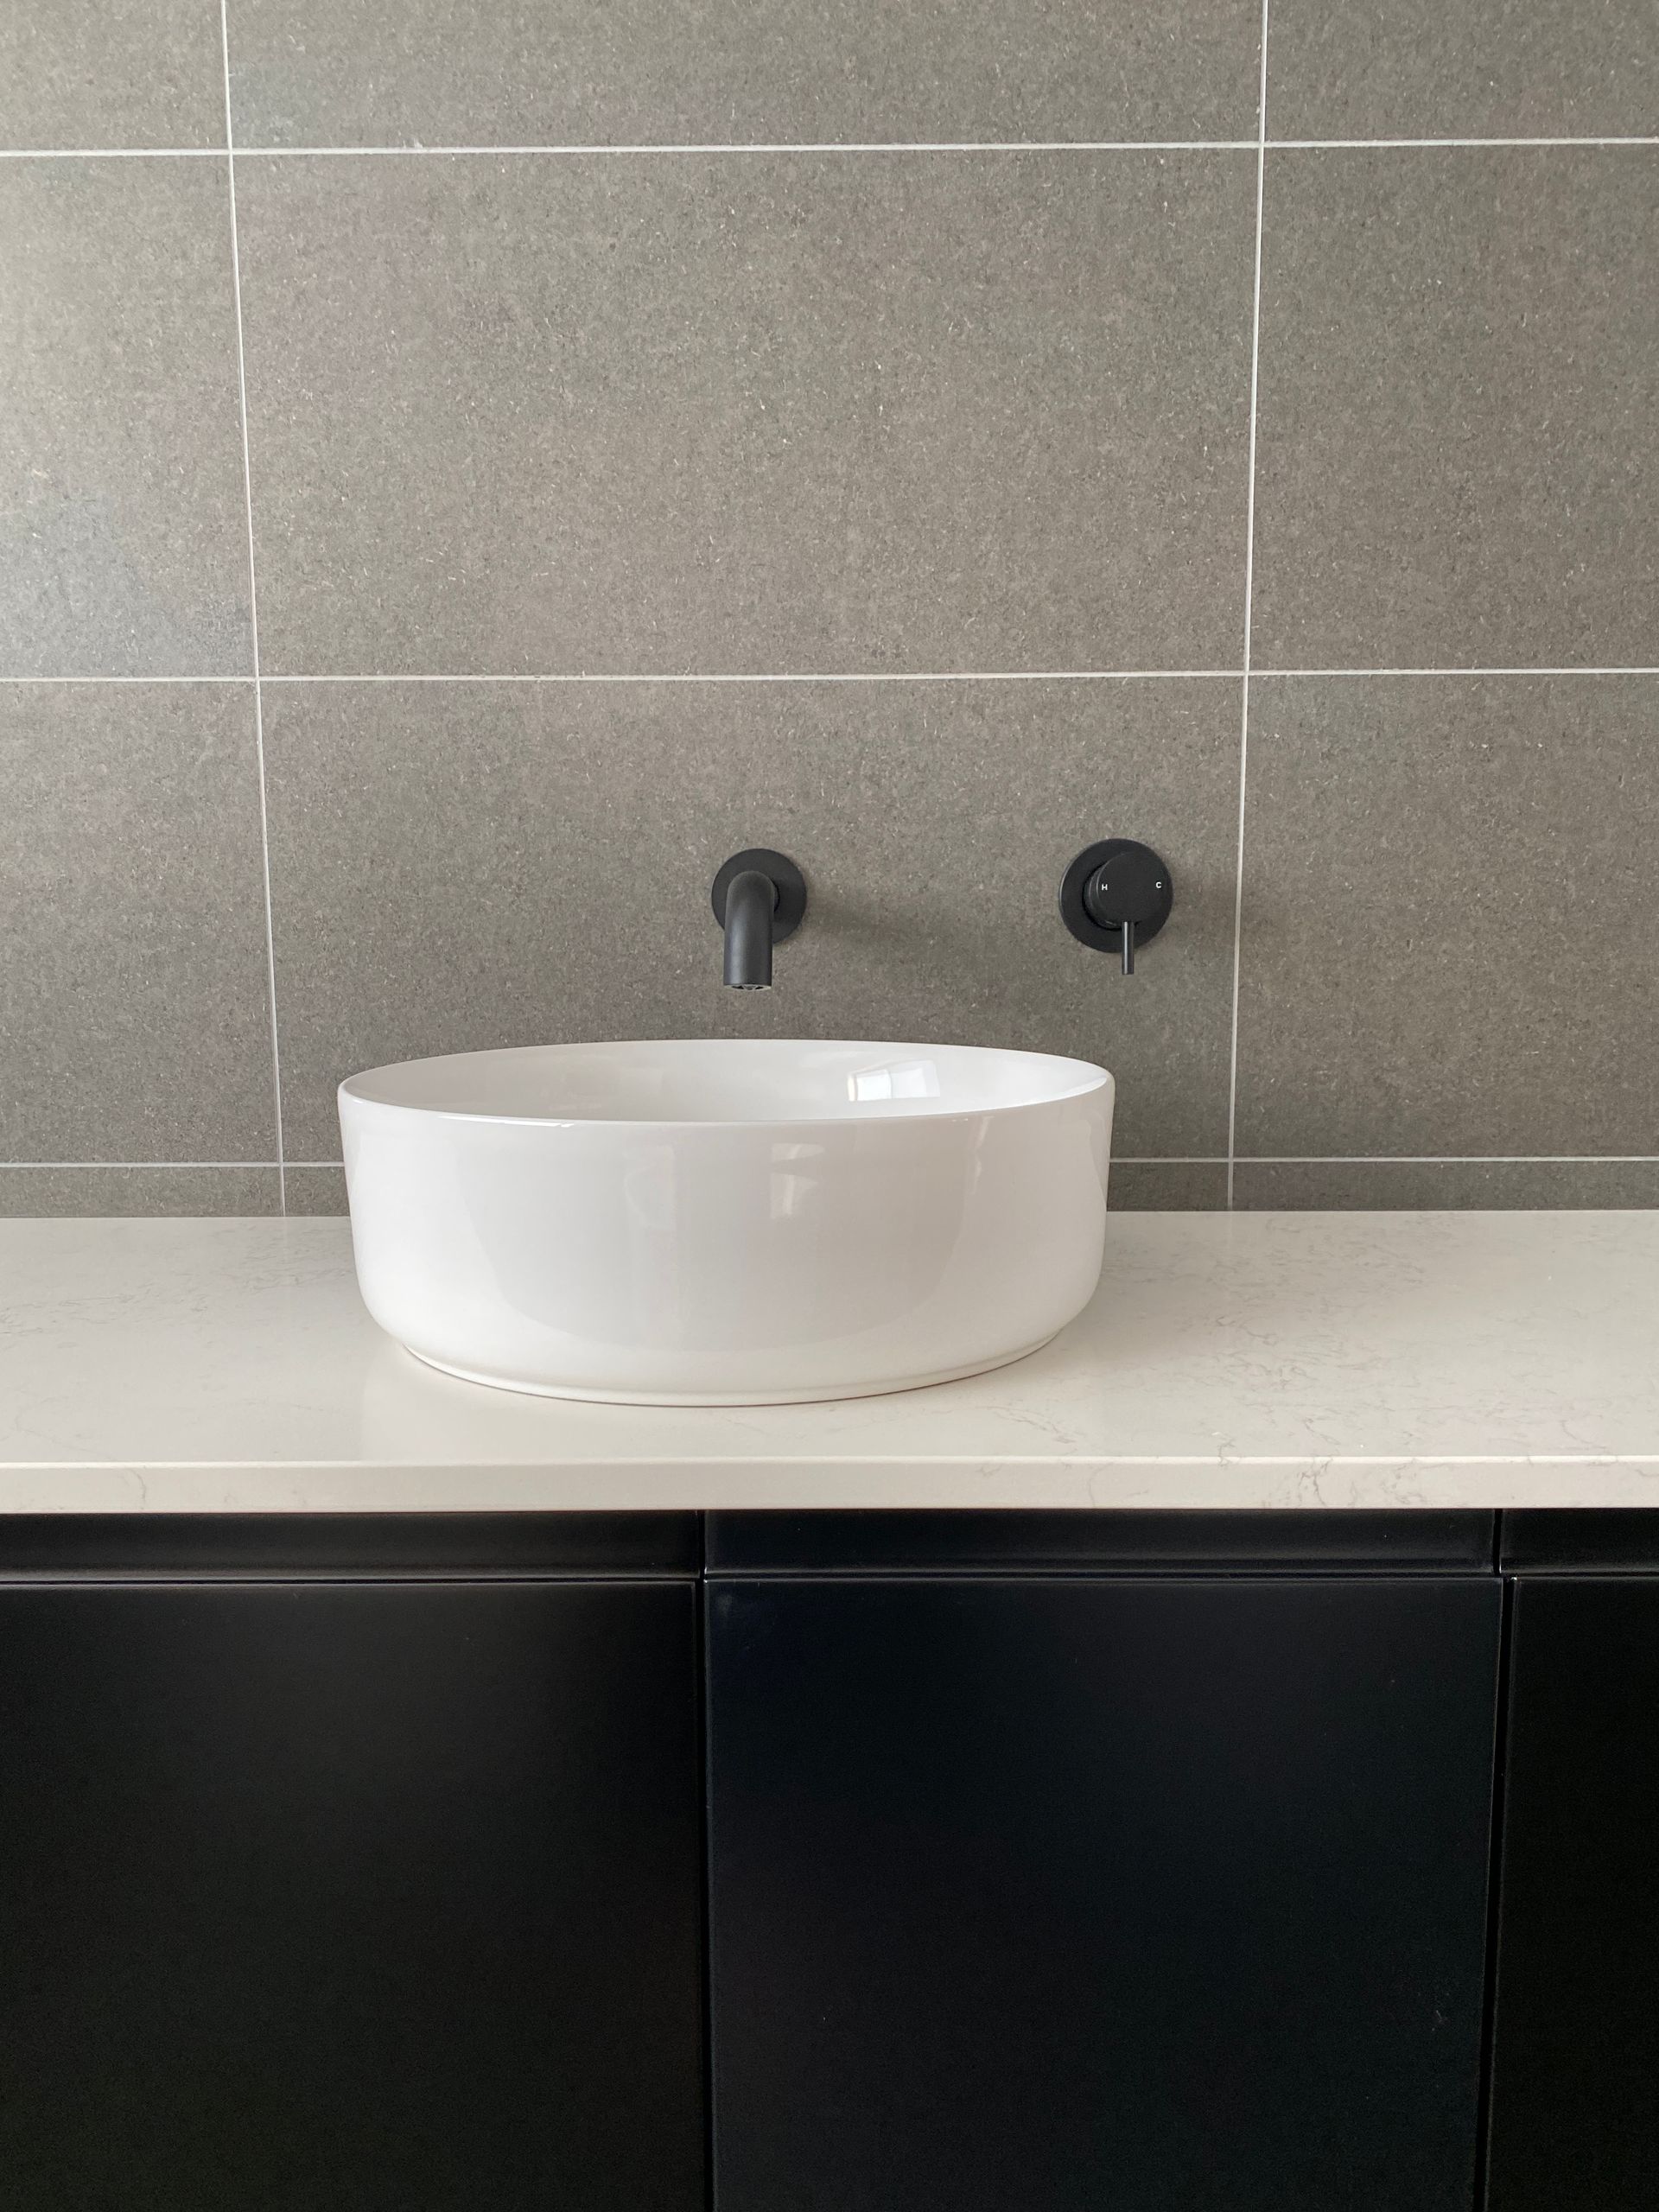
758	899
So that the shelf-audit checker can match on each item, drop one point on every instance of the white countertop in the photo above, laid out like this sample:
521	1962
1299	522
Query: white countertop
1472	1359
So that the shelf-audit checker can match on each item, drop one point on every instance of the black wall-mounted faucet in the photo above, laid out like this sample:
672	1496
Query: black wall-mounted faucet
758	899
1116	896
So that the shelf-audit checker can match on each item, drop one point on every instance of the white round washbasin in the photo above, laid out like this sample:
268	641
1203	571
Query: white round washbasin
726	1222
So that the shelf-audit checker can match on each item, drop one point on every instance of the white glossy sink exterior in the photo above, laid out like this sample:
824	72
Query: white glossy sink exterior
726	1222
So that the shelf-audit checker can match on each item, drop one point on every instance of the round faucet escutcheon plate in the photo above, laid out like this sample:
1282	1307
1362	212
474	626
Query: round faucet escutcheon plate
791	910
1115	884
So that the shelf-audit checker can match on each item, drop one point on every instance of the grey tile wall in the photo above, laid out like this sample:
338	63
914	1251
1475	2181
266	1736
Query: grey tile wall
1395	1186
1167	1185
1451	917
358	73
123	522
1458	456
750	413
111	72
853	351
133	1005
1482	68
314	1190
102	1192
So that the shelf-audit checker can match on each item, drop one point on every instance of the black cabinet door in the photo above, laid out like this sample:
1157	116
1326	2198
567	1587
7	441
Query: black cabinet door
351	1898
1107	1896
1575	2093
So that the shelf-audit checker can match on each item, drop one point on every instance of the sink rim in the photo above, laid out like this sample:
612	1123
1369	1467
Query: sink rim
1088	1078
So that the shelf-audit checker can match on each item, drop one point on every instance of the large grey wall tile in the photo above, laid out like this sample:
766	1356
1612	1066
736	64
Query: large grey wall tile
1451	917
1410	1185
133	993
348	72
1484	68
103	1190
1459	455
315	1191
123	511
111	72
462	866
765	414
1167	1185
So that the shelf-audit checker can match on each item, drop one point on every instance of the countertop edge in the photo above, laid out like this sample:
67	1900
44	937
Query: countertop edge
1336	1484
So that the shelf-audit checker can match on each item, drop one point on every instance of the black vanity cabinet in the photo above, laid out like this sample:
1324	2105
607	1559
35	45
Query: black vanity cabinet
1129	1871
327	1888
1110	1862
1575	2093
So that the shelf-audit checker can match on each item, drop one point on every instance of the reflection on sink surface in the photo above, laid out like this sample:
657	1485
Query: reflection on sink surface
726	1222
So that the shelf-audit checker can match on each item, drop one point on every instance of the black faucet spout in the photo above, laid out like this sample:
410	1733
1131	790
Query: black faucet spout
759	900
751	903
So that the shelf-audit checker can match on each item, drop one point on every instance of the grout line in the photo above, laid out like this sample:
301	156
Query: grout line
878	675
111	153
1249	589
253	626
1119	1160
1358	145
125	679
814	146
1448	1158
856	676
596	151
793	146
1539	669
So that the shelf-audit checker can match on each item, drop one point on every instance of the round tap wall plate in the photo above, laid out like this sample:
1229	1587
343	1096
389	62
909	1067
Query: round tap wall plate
791	910
1109	936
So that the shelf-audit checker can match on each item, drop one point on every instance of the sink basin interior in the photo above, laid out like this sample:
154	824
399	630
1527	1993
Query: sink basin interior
725	1082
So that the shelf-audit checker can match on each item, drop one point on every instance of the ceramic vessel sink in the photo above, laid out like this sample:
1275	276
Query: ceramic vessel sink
727	1222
